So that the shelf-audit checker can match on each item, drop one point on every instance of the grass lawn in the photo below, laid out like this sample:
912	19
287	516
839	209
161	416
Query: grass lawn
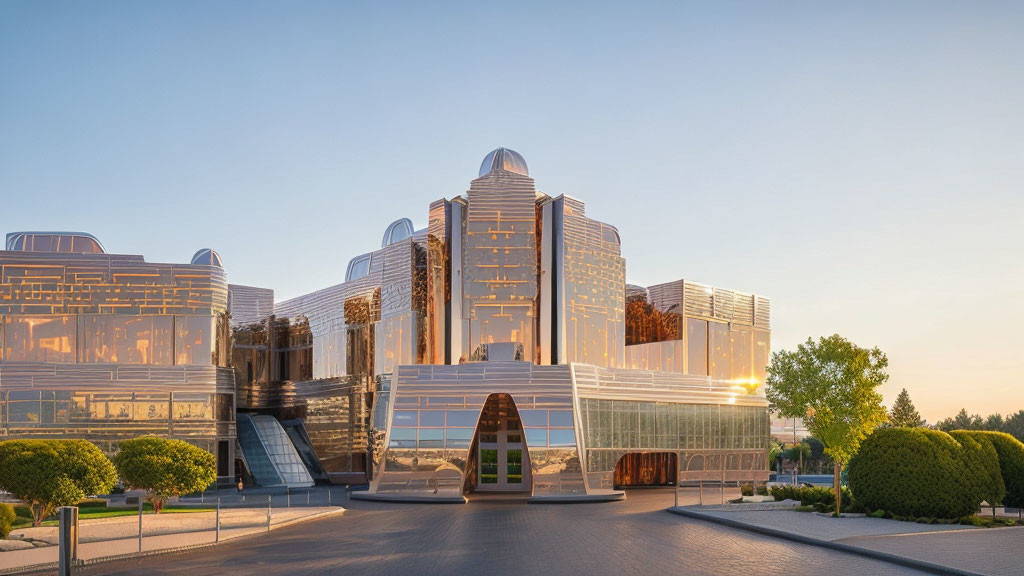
24	519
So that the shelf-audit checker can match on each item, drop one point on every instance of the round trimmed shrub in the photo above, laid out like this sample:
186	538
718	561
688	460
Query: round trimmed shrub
1011	464
913	472
982	463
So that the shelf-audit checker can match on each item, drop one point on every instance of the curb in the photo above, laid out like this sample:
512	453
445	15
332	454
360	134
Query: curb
873	554
37	568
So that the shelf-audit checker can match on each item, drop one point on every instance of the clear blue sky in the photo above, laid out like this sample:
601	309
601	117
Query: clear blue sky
861	165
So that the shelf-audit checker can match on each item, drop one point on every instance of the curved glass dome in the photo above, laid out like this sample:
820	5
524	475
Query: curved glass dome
208	257
504	159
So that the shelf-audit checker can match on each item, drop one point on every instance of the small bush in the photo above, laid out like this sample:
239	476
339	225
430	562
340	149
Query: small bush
7	517
762	490
878	513
747	490
914	472
804	508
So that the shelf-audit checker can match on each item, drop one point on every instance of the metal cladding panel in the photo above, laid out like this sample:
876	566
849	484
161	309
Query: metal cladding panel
249	304
113	377
39	283
657	386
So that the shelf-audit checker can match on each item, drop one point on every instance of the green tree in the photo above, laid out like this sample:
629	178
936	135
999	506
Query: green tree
164	468
962	421
994	423
833	384
50	473
774	449
903	413
1014	425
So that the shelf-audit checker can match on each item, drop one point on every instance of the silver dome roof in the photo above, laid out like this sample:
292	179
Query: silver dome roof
504	159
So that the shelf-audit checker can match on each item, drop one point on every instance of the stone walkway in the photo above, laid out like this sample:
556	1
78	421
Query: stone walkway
952	548
118	537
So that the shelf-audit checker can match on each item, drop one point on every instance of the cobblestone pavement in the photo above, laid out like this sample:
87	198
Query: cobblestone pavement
995	551
635	536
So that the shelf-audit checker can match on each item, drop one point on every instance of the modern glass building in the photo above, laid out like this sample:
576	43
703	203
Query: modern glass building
500	348
107	347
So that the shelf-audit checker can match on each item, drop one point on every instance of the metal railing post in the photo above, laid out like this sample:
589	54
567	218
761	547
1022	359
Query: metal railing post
217	539
288	497
700	492
723	479
67	539
140	523
328	495
270	498
307	496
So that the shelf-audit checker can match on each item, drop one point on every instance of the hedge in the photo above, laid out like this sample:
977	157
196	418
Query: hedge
914	472
7	517
1011	463
982	463
817	496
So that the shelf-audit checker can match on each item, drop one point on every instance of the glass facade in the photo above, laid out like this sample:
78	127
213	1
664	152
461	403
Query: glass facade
107	347
500	348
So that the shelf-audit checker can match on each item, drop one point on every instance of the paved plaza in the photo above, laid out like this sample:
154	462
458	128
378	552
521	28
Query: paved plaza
635	536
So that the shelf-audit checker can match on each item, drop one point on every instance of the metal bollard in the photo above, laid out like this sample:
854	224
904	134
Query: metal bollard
67	539
288	500
217	538
328	495
675	490
140	523
700	492
307	496
269	500
348	492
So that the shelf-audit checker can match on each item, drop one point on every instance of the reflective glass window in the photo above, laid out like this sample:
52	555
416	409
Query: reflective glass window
536	437
431	438
462	418
561	418
151	406
404	418
431	417
721	347
536	417
741	338
403	438
121	339
192	407
561	437
23	407
40	338
697	346
458	437
193	340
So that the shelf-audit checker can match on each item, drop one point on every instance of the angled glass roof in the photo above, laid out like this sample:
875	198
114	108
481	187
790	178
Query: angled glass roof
504	159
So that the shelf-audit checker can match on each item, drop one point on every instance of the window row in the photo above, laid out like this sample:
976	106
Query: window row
670	426
460	438
27	407
468	418
109	338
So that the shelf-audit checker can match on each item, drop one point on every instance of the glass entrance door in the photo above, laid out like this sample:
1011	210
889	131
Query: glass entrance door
501	457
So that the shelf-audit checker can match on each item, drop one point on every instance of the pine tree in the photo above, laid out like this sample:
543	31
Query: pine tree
903	414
